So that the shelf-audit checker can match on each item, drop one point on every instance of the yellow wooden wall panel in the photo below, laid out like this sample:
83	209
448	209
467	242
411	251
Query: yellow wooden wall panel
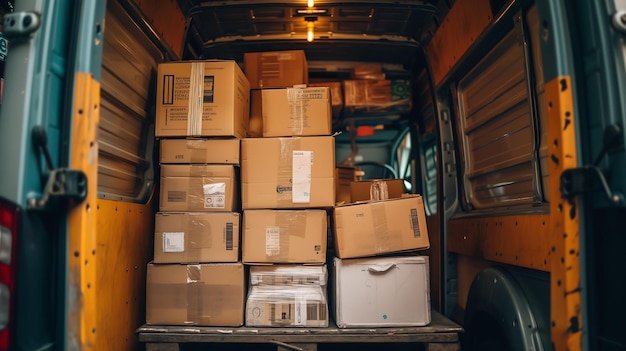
125	246
521	240
565	301
82	266
464	23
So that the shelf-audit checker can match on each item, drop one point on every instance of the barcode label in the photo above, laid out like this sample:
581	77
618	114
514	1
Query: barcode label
229	236
414	223
176	196
208	89
168	89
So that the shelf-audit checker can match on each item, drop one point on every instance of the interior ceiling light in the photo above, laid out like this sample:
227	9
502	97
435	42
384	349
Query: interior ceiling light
309	33
312	11
311	3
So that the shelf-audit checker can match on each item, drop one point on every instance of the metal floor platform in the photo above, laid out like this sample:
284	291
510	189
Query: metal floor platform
441	334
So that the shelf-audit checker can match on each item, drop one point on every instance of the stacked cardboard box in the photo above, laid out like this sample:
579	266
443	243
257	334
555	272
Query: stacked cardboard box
378	280
287	184
287	295
196	276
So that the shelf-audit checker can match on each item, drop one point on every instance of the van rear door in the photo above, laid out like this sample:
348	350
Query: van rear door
47	125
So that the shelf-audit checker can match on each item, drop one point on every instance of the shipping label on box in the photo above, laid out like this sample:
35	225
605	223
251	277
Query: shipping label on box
198	188
202	98
380	227
381	292
287	306
284	236
297	111
293	172
200	294
188	237
203	150
276	69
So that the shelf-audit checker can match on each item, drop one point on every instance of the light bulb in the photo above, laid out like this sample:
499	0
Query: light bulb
309	33
311	3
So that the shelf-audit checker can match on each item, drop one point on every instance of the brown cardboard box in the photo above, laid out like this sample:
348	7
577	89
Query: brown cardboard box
376	189
202	98
380	227
287	306
202	150
284	236
198	187
344	175
276	69
255	129
200	294
297	111
336	95
368	95
191	237
293	172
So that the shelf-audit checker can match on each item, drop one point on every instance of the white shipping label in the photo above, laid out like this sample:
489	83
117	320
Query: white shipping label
272	241
214	195
301	312
174	242
301	175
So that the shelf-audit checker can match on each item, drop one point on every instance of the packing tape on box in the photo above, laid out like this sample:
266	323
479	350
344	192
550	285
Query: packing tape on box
386	240
285	165
200	232
196	98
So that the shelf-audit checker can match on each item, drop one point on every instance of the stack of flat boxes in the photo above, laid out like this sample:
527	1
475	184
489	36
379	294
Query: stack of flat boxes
196	276
287	183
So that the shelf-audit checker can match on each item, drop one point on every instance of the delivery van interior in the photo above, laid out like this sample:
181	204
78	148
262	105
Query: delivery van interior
303	175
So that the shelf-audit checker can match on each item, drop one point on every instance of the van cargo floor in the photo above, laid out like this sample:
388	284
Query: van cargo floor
441	334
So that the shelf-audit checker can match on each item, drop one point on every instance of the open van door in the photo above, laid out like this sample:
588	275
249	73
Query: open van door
48	121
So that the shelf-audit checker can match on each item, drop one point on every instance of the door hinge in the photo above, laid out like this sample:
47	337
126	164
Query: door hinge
61	184
20	24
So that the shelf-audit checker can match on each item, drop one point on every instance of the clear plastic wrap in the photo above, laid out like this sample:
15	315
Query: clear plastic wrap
287	306
288	274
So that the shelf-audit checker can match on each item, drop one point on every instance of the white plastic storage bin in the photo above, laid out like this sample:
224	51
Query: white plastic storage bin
381	291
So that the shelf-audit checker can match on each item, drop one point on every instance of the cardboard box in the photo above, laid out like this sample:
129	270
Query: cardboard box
203	150
344	175
383	95
287	306
297	111
380	227
376	189
336	95
289	274
199	188
201	294
202	98
368	71
192	237
255	129
293	172
381	292
276	69
284	236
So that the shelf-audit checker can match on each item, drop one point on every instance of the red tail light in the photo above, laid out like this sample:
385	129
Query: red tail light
8	234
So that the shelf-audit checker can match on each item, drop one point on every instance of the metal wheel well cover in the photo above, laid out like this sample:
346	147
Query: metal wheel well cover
497	294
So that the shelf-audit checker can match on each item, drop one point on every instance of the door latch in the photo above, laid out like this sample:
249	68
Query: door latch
61	184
